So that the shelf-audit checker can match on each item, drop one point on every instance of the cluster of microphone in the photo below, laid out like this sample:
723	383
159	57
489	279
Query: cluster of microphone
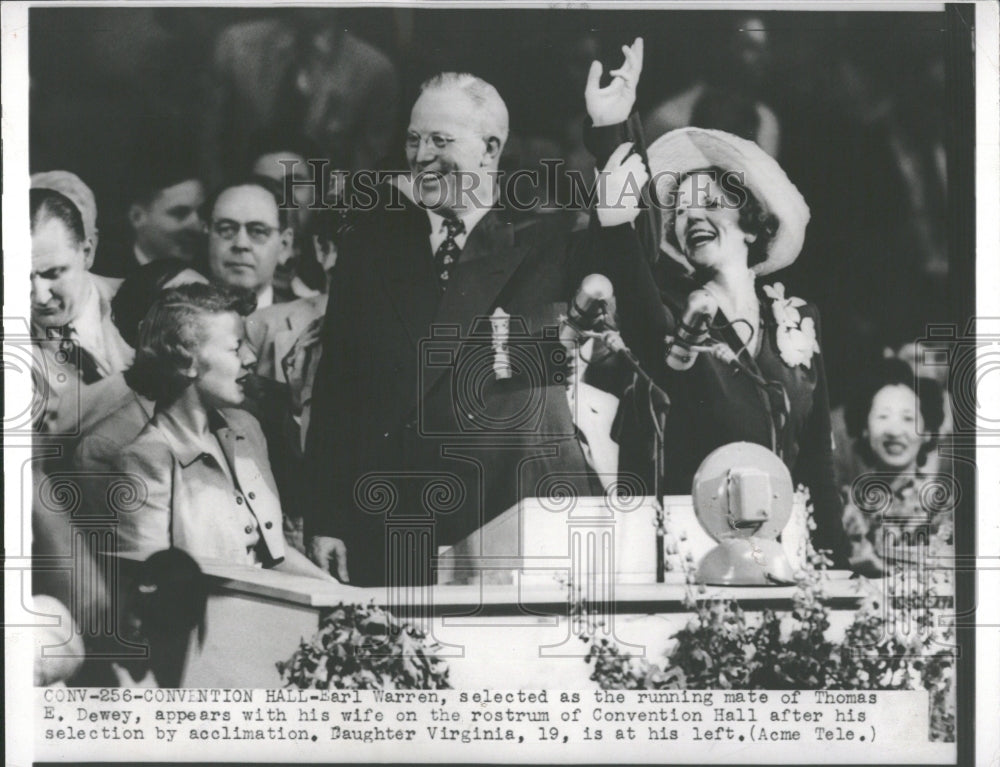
591	315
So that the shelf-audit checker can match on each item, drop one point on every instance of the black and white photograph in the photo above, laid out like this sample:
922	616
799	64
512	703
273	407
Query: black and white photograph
534	383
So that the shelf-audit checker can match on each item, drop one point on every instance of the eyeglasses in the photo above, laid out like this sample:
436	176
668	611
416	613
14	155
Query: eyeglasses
438	140
258	232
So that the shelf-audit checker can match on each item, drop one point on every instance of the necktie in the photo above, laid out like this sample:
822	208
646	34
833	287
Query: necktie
73	353
448	251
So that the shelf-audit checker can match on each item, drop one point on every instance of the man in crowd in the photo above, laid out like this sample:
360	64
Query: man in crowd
79	355
401	406
249	235
80	350
166	196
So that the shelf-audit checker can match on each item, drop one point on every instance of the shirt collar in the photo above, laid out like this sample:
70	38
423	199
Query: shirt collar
141	258
470	219
265	297
184	446
93	311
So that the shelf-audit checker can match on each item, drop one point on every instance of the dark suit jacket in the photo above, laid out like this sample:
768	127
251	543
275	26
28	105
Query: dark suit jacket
406	386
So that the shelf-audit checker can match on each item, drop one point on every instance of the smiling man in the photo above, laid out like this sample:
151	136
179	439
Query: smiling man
437	262
249	235
165	197
457	129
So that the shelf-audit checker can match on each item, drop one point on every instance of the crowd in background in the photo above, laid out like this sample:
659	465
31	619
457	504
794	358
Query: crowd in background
111	89
172	124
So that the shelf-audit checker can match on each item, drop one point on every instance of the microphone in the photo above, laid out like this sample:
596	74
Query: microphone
693	330
589	310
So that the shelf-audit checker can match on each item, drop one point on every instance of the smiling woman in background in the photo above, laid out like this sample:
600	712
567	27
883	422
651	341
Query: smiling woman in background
208	485
894	419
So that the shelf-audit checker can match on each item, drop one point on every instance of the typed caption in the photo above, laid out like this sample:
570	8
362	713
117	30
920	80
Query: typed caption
445	725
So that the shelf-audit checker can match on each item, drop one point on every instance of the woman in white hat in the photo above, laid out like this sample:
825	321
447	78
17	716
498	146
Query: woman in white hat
729	216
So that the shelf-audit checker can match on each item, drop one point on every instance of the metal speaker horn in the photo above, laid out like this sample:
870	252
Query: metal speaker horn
742	496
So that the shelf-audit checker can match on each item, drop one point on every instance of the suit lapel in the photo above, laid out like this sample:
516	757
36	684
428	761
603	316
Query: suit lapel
406	265
228	441
487	263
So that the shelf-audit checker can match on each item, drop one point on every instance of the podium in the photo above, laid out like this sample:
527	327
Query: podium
503	597
590	536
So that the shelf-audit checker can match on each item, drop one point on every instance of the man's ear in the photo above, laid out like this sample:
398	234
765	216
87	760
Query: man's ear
287	240
136	215
493	148
88	252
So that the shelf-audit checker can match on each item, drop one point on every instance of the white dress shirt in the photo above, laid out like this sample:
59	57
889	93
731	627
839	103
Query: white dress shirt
265	297
140	257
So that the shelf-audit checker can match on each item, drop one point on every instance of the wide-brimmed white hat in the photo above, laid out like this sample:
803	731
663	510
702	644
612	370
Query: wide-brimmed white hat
687	149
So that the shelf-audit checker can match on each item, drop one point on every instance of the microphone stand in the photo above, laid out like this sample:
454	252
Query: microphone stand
660	403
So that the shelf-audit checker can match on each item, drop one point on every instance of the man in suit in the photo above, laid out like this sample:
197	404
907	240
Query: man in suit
440	399
80	351
164	196
249	236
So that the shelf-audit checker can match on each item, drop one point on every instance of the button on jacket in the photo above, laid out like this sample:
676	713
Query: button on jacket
192	502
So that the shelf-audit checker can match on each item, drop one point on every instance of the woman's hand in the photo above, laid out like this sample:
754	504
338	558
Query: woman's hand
298	364
613	104
330	554
619	187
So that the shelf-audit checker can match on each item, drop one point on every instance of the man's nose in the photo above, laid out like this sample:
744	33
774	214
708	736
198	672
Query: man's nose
242	240
426	153
41	291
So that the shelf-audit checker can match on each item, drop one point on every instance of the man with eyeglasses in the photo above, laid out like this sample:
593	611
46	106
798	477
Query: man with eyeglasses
248	236
401	429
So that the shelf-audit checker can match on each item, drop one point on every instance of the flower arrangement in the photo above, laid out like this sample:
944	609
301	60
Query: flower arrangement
721	647
363	647
796	335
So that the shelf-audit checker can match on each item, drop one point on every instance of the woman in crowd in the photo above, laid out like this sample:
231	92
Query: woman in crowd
208	486
730	216
100	445
894	418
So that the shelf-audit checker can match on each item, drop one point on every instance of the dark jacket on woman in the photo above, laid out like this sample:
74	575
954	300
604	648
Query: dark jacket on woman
715	403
